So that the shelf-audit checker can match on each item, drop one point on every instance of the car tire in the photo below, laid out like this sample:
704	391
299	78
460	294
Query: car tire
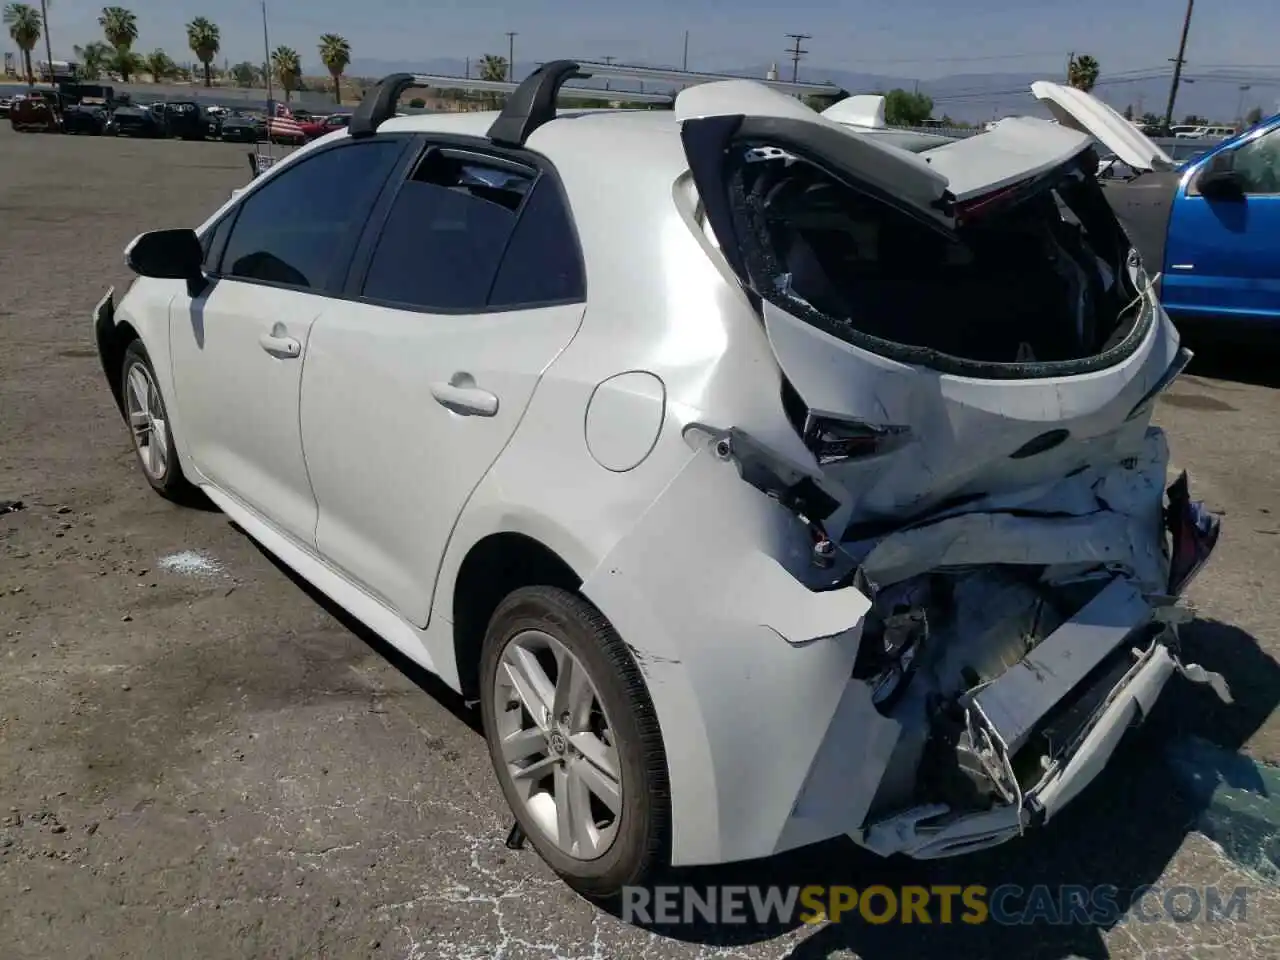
141	400
617	727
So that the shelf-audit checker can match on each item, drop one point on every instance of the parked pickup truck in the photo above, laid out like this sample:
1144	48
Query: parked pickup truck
1209	226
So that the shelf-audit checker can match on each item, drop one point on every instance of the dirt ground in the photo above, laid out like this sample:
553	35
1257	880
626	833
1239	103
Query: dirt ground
200	758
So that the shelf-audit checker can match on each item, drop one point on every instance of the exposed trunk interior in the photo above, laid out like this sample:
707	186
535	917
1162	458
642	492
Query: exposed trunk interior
1036	275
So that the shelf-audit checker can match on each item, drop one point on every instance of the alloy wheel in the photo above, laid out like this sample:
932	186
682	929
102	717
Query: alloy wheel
147	420
558	744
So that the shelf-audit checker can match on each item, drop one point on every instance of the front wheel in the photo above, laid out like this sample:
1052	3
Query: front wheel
575	741
149	425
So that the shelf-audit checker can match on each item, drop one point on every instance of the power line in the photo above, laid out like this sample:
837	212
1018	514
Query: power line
797	53
1000	56
977	93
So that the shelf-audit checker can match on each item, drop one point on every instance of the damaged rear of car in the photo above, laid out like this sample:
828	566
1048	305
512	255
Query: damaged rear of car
970	351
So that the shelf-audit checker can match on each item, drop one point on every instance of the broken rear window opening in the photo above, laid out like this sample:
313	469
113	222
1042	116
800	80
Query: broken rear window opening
1034	283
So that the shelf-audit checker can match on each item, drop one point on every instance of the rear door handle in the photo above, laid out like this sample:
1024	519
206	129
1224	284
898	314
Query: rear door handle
462	396
279	344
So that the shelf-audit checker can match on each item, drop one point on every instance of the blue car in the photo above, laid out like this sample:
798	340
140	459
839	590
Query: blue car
1222	249
1209	224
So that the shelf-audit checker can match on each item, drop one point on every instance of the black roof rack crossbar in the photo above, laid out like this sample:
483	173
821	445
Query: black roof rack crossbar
533	103
379	104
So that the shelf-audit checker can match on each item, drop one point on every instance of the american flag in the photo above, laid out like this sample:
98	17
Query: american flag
281	123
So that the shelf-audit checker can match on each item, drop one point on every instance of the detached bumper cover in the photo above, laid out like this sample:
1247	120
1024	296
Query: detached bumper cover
932	832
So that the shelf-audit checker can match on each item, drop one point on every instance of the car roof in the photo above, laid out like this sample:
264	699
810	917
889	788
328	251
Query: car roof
642	140
477	123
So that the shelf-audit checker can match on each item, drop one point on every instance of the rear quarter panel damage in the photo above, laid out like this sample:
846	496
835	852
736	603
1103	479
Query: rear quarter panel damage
745	666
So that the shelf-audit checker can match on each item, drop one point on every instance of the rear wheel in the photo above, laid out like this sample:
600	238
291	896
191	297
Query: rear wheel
575	742
144	408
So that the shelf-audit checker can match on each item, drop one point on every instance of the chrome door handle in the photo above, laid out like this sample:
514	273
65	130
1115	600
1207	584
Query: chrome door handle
280	346
462	396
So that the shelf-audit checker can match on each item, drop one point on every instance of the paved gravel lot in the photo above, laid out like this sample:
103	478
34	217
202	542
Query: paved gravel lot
199	758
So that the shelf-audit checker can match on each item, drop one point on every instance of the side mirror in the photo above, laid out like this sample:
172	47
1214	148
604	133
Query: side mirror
1220	181
167	255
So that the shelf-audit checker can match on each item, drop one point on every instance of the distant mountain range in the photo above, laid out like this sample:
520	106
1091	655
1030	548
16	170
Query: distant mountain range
970	97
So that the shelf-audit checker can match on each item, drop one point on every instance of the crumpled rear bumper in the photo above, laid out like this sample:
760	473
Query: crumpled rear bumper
772	743
930	832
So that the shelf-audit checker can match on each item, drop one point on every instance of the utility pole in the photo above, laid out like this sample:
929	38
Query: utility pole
48	45
1240	104
685	63
797	53
607	62
1178	61
468	71
511	55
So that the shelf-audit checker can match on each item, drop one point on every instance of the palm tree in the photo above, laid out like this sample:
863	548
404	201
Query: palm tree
120	27
287	67
335	52
204	40
493	67
25	26
244	73
1082	73
159	64
92	57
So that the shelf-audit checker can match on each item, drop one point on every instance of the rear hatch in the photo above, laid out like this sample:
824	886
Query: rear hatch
971	352
1082	111
957	324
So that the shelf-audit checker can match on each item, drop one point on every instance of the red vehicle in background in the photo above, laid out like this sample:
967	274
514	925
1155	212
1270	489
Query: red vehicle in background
319	126
39	111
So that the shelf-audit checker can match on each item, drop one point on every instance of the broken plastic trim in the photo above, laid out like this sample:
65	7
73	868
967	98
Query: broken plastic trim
838	439
788	483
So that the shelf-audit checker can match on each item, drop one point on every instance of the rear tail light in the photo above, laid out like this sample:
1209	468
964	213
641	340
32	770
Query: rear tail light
836	440
1193	533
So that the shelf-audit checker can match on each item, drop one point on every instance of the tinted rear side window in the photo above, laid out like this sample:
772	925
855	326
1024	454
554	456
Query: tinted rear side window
446	233
542	262
293	228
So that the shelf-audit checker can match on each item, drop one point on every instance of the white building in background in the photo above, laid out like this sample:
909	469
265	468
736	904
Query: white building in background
58	70
773	73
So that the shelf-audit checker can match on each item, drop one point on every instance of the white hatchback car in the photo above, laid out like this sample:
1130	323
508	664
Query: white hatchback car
765	482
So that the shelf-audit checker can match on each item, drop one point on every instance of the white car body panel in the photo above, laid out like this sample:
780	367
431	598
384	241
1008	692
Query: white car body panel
861	110
964	429
1082	111
239	403
371	380
1019	149
708	580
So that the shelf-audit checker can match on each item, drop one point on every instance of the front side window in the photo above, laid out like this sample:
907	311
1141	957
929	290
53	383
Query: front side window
1258	164
292	229
213	240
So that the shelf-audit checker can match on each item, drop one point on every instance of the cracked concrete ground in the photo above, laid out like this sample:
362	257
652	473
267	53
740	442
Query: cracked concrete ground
199	758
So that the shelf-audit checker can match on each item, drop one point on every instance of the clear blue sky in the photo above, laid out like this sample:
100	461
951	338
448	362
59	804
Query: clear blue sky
910	38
